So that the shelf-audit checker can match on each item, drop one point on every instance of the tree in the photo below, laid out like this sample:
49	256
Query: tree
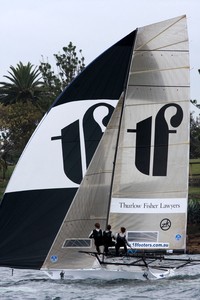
194	102
24	86
69	66
195	132
194	137
20	109
17	123
29	94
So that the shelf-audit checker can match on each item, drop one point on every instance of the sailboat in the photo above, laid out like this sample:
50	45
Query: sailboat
113	149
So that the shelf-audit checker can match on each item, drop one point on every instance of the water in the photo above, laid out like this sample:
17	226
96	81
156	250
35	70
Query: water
28	284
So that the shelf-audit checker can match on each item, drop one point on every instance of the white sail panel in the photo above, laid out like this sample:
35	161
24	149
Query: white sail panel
39	165
131	181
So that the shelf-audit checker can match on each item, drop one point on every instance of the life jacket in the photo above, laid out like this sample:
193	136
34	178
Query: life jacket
107	237
121	240
98	238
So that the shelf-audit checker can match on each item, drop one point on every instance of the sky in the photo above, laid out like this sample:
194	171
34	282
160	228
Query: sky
32	29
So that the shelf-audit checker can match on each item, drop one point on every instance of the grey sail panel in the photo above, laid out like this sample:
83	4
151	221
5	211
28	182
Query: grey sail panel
151	175
90	205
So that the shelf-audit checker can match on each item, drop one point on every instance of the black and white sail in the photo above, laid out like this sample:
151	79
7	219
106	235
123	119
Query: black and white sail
53	164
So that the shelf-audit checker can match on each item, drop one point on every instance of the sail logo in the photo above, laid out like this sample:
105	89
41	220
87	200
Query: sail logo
165	224
54	258
80	139
178	237
161	140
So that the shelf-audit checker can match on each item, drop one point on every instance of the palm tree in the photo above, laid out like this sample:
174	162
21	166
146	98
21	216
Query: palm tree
25	85
22	105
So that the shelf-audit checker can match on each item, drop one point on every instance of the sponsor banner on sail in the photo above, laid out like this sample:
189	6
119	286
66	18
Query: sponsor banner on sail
164	205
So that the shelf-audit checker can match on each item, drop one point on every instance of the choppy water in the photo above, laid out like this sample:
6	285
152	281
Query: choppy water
26	285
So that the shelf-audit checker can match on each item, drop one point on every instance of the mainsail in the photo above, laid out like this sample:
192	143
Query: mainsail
150	189
138	175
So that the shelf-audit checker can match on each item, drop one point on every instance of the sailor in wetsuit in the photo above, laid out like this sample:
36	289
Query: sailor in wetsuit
96	234
108	238
121	241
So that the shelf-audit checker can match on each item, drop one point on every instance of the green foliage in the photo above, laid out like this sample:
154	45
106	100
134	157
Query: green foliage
17	123
195	167
193	211
194	102
194	137
20	110
69	65
3	182
28	95
24	85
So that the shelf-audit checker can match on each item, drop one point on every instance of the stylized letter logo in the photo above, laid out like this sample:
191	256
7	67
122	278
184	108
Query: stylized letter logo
161	141
79	141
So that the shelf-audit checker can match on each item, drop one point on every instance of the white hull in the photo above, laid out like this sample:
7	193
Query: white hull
140	273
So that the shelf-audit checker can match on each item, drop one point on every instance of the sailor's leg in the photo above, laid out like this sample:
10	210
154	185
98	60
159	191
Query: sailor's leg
117	249
106	249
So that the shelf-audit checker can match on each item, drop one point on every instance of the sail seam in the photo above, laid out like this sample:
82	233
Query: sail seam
161	70
164	50
152	146
97	173
162	32
157	102
150	85
90	218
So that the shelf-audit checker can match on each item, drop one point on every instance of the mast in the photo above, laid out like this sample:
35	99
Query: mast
120	121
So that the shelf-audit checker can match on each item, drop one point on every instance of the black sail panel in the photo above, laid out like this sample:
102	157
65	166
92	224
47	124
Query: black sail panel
104	77
30	226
